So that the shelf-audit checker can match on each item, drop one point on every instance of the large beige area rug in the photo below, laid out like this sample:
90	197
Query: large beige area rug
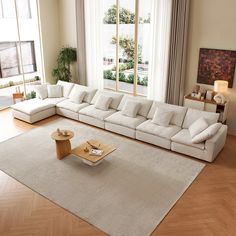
129	193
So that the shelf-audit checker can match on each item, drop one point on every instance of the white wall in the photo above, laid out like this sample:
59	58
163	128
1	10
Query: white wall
67	24
50	35
212	25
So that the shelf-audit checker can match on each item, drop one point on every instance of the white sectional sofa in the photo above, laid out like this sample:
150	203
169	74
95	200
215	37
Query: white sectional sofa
180	129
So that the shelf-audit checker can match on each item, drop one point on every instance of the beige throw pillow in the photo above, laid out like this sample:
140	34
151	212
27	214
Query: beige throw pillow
54	91
197	127
131	108
77	96
103	102
41	91
162	117
207	133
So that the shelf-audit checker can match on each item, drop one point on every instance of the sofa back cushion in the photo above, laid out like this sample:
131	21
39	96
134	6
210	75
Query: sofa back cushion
192	115
116	98
162	117
145	104
77	96
131	108
103	102
41	91
54	91
66	87
77	88
178	112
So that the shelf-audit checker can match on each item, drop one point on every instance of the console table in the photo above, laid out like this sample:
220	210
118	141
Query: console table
207	105
16	96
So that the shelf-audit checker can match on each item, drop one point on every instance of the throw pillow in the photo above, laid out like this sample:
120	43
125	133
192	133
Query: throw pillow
197	127
162	117
41	91
131	108
66	87
207	133
54	91
103	102
77	96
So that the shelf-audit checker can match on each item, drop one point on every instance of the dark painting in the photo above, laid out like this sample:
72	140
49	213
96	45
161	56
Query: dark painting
215	64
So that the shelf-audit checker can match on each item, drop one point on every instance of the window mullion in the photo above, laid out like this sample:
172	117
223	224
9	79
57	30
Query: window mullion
136	46
117	43
19	41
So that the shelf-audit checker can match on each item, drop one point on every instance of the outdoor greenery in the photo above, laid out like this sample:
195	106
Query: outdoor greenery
124	66
128	45
108	74
143	82
31	95
66	57
125	16
18	82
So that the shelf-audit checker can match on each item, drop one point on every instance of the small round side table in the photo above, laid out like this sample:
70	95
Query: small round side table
63	146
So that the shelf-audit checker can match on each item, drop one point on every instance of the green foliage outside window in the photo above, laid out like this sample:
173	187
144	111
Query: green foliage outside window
128	45
108	74
125	16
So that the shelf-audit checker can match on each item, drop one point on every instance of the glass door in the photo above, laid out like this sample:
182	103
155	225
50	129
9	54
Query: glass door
126	67
20	54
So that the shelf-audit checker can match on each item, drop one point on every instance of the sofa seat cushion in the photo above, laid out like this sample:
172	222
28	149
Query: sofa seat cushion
54	101
184	137
162	131
32	106
96	113
120	119
71	106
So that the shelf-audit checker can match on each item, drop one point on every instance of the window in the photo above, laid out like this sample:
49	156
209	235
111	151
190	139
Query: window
10	64
7	9
125	45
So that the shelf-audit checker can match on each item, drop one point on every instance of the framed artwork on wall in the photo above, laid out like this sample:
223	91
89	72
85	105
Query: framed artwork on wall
216	64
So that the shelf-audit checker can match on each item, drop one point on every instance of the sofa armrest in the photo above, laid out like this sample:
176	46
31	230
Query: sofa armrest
215	144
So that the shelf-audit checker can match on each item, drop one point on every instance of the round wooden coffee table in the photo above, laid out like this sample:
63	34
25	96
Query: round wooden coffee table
63	146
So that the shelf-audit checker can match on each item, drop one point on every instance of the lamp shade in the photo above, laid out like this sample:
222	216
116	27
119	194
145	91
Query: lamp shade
220	86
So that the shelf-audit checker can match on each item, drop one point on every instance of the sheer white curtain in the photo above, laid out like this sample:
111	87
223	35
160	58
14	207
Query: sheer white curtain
159	46
93	35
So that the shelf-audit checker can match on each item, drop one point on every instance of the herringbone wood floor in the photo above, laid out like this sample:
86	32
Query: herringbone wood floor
207	208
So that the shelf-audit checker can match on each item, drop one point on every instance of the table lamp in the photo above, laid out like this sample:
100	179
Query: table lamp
220	87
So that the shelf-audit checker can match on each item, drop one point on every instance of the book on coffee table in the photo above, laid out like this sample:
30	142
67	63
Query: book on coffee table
95	152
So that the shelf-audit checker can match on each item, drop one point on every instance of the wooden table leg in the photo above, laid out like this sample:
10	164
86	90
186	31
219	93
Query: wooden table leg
63	148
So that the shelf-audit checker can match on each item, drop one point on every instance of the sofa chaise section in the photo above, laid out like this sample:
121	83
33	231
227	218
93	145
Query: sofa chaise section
160	135
33	110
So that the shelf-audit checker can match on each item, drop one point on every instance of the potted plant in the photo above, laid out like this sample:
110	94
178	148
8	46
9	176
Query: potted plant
66	57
